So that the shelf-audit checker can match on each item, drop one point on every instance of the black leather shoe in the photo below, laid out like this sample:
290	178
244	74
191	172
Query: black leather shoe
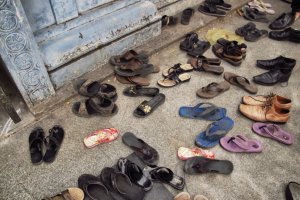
294	36
276	63
283	21
280	35
273	76
220	4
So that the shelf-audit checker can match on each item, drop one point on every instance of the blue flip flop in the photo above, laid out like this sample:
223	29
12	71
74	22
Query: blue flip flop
214	132
210	113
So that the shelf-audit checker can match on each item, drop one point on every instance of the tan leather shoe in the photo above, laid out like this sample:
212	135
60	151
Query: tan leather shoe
183	196
265	113
279	101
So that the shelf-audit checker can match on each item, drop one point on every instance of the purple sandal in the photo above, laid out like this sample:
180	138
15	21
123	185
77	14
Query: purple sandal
241	144
273	131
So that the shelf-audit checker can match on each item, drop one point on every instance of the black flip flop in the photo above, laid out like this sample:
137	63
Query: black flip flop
292	191
147	107
36	140
165	175
134	91
200	165
186	16
53	143
120	185
189	41
93	188
135	173
144	151
211	9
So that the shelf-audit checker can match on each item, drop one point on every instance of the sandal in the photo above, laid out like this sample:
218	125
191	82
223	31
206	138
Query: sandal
93	187
254	15
53	143
211	61
94	107
36	140
202	65
135	174
200	165
244	30
189	41
147	107
199	48
273	131
144	151
186	16
241	144
186	153
165	175
255	35
210	113
134	91
126	57
101	136
211	9
240	81
120	186
137	80
174	79
134	68
179	68
213	89
214	132
69	194
219	51
168	20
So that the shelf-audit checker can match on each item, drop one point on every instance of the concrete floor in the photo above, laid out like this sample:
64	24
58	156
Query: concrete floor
255	176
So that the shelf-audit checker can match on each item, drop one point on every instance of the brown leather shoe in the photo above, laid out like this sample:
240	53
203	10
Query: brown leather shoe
182	196
279	101
265	113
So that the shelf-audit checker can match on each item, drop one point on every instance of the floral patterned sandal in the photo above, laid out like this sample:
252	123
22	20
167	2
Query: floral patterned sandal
101	136
186	153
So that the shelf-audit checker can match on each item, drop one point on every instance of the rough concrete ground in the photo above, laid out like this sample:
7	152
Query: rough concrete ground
255	176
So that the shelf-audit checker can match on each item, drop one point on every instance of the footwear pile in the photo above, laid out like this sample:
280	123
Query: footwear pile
230	51
280	70
132	67
252	14
214	8
100	101
251	33
270	108
193	46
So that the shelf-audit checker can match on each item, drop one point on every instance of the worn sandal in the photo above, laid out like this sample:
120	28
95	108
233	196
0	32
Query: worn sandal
53	143
186	153
147	107
36	140
134	68
136	80
189	41
213	89
202	65
210	112
174	79
179	68
134	91
241	144
211	9
199	48
241	82
69	194
101	136
126	57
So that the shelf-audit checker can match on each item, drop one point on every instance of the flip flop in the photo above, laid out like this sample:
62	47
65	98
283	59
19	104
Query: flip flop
213	89
143	150
134	91
147	107
211	61
240	81
199	48
134	68
241	144
165	175
179	68
101	136
138	80
70	193
203	65
200	165
210	113
126	57
214	132
36	140
273	131
186	153
292	191
173	79
93	188
53	142
255	35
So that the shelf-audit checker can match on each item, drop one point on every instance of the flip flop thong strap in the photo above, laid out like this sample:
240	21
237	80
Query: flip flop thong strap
212	136
212	87
240	141
271	130
52	139
209	110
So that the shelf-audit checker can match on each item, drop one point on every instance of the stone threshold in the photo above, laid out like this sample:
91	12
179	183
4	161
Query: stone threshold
169	35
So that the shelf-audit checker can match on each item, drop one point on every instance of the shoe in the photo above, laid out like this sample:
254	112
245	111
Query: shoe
260	100
189	41
244	30
253	14
276	63
182	196
288	34
211	9
265	113
294	36
273	76
283	21
186	16
220	4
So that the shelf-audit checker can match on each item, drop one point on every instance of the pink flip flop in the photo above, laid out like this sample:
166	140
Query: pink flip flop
241	144
186	153
101	136
273	131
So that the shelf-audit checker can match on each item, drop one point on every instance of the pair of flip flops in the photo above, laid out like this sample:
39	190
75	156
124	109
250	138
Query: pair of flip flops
146	107
100	102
